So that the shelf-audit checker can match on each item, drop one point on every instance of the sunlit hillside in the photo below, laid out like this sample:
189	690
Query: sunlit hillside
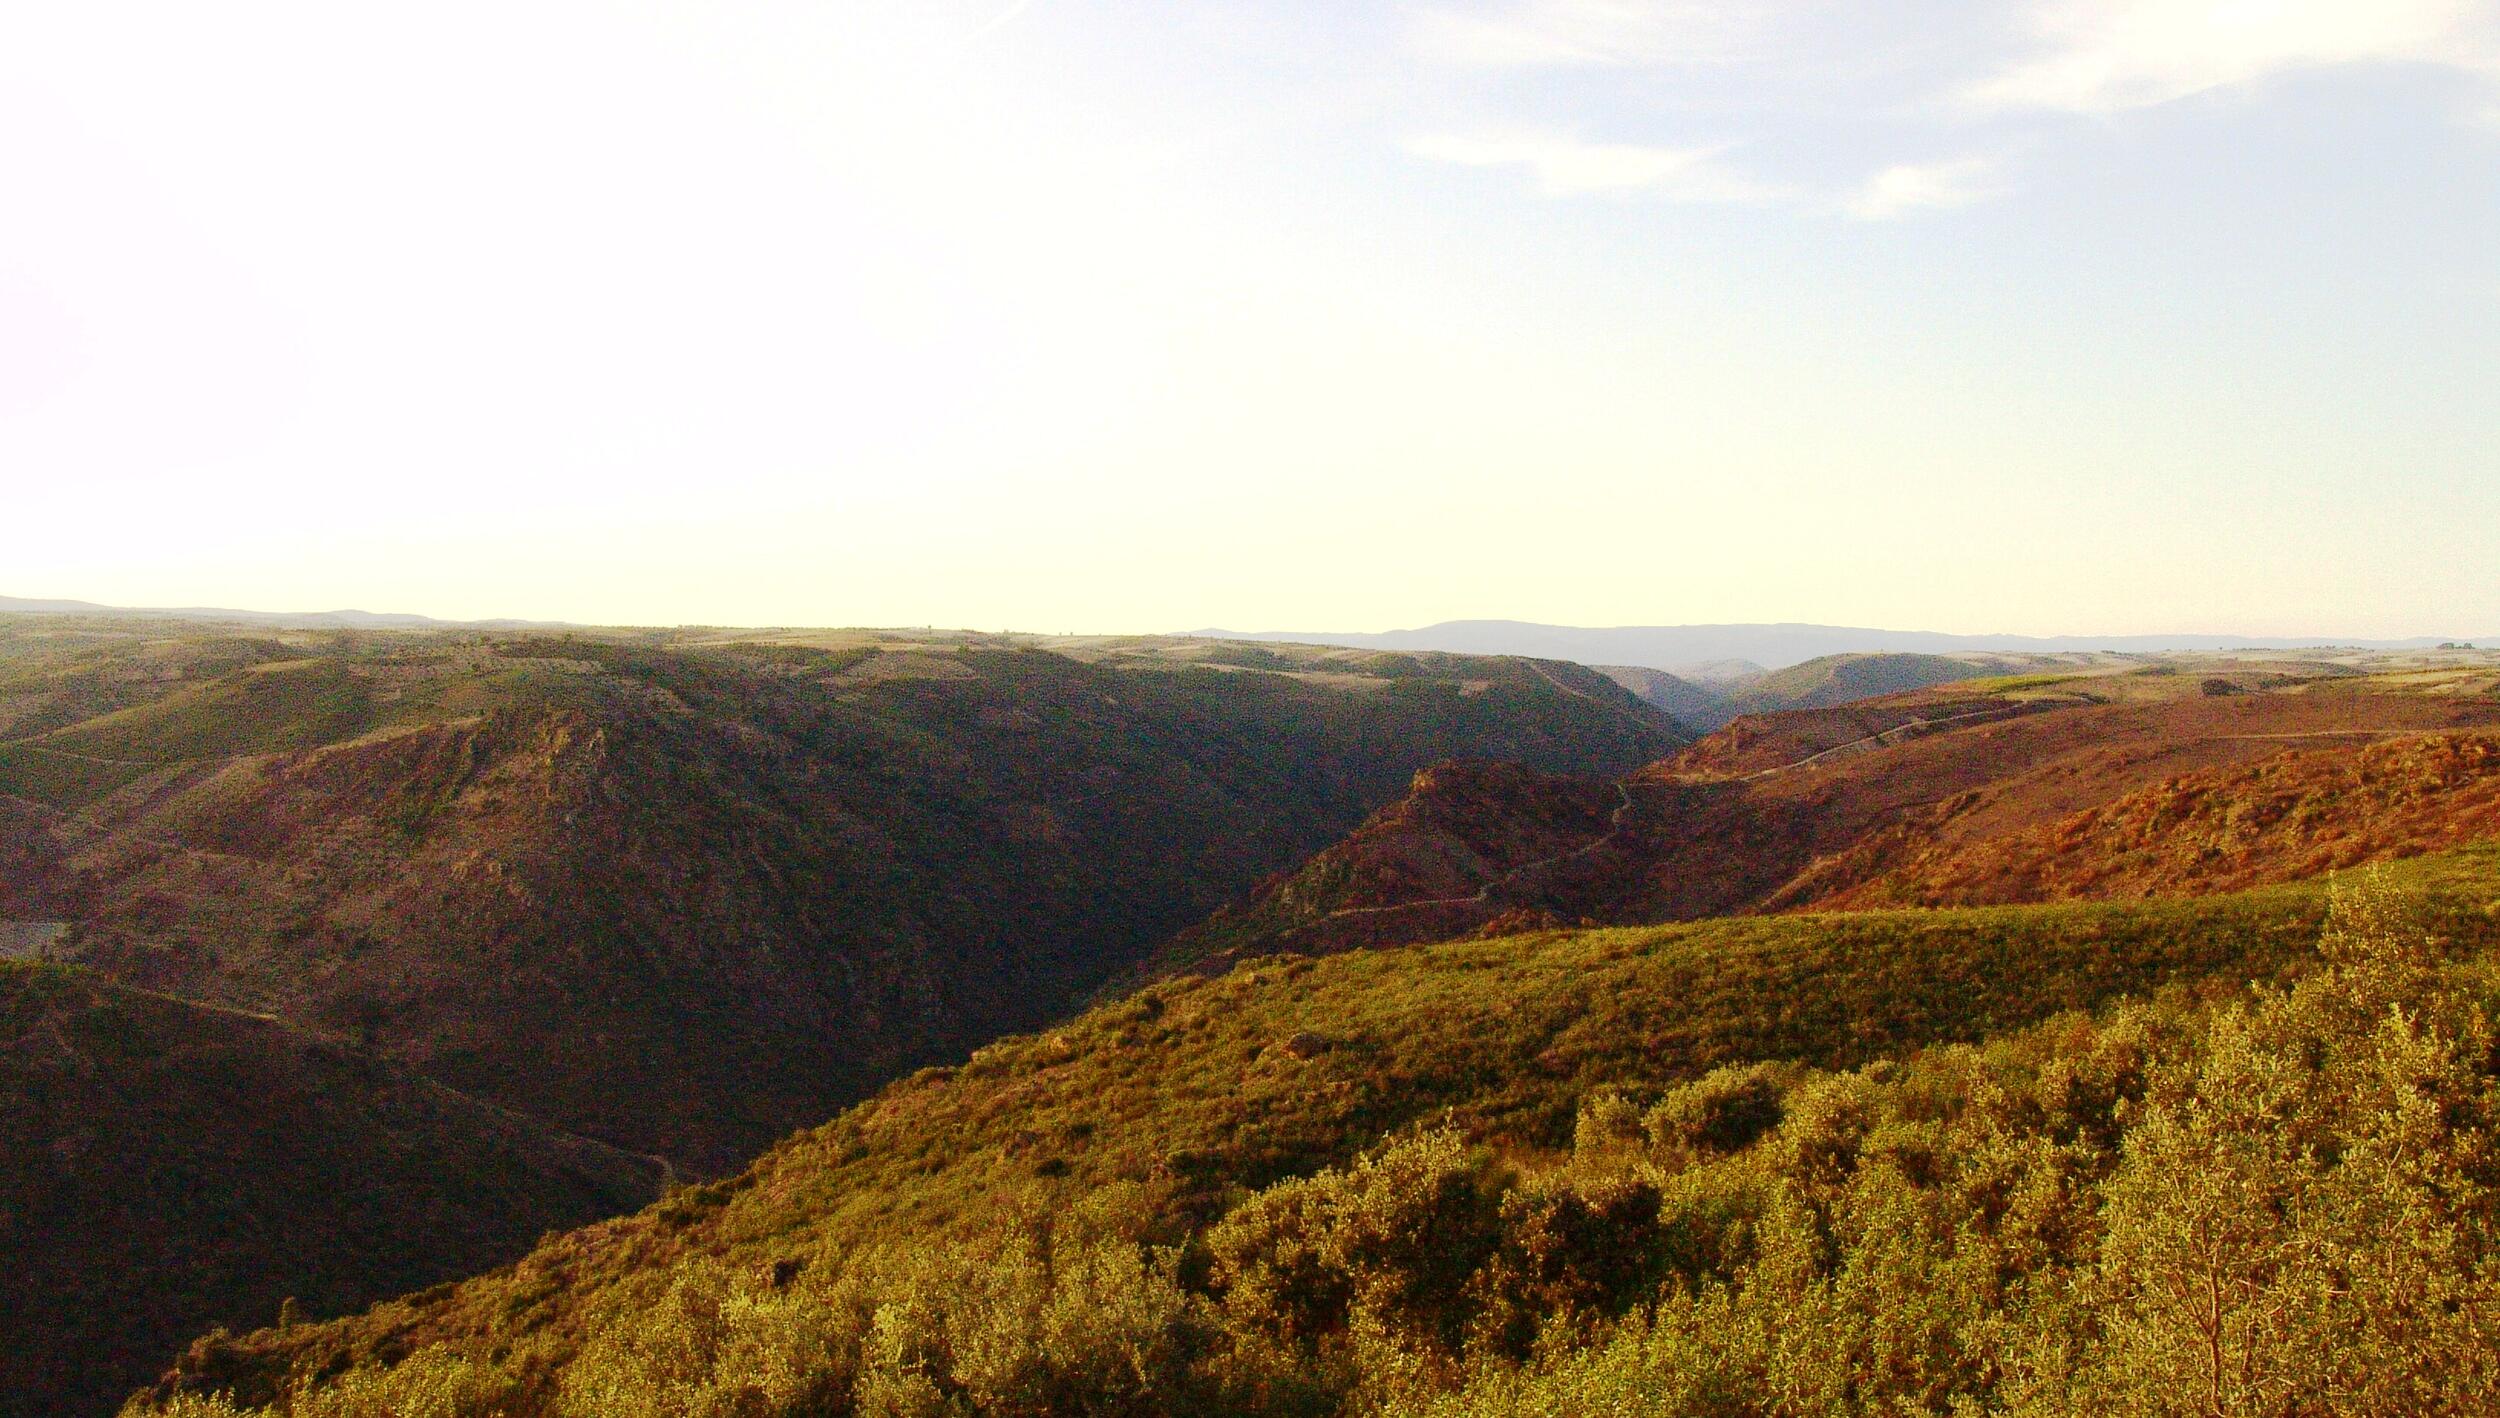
1674	1167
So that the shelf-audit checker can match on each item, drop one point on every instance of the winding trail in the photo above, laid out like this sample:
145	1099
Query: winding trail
526	1123
2340	734
1874	738
1483	896
1629	717
84	757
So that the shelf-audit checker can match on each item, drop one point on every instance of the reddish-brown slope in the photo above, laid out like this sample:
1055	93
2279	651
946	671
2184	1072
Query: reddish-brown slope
1436	860
686	901
2301	812
486	901
1934	798
32	882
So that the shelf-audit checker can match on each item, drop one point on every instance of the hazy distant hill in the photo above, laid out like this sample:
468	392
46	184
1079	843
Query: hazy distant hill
1675	647
303	620
1834	680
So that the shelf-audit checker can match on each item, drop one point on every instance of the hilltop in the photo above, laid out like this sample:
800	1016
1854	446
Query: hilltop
288	620
166	1167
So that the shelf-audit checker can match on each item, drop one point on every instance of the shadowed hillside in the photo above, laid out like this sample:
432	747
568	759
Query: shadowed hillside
686	893
166	1167
1700	707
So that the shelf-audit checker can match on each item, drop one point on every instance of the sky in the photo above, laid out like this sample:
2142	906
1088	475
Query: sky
2034	316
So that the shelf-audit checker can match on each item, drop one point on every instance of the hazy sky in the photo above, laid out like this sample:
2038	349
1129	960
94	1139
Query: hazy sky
2093	315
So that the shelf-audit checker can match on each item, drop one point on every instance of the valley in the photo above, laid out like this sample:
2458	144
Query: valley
563	945
2159	781
680	893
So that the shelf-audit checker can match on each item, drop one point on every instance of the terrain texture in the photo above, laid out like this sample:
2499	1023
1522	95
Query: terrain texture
1664	1169
174	1166
2020	789
686	897
330	948
1296	1030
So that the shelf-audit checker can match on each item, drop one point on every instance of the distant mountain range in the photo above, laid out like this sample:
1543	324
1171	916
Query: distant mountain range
288	620
1707	652
1684	647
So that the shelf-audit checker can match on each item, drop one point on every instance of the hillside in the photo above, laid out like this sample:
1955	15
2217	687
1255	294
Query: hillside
1834	680
1998	791
1698	705
1710	697
167	1167
973	1235
687	892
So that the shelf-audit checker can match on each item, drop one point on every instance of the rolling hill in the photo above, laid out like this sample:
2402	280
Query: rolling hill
676	891
1700	706
2024	789
683	892
1308	1185
686	893
1834	680
1706	705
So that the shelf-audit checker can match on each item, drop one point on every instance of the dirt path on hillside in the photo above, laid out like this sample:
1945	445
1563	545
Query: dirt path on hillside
525	1123
1483	896
85	757
1874	738
2342	734
1551	678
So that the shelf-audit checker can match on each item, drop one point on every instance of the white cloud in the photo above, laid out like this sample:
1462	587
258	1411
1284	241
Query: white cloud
1910	187
1568	167
2117	54
1533	33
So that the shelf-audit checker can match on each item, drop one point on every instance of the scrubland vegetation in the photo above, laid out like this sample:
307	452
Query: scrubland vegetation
2130	1110
2061	1159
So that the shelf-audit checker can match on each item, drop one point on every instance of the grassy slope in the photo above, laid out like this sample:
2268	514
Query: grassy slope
1699	707
165	1167
1835	680
1170	1103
